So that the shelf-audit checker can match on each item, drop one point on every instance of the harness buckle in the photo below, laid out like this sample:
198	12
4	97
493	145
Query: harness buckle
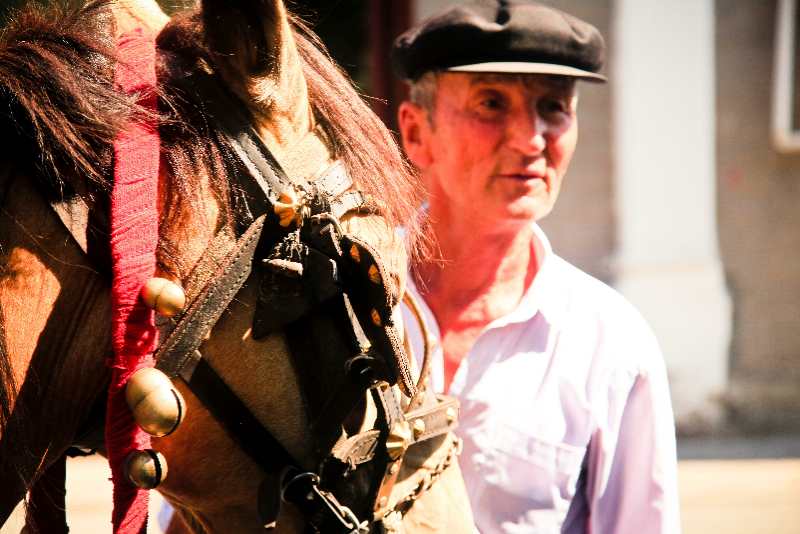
325	512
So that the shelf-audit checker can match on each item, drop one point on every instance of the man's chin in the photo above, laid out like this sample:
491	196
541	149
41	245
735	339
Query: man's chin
528	210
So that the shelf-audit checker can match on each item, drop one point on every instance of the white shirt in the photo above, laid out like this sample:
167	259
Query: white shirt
572	377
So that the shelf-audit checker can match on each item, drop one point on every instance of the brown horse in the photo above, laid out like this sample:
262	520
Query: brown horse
59	116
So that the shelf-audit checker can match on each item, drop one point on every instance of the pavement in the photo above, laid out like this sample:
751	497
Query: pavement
88	500
730	486
740	485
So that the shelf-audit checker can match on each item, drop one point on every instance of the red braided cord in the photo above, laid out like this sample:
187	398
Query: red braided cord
134	236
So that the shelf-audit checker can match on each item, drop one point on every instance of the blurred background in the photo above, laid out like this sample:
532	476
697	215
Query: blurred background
684	194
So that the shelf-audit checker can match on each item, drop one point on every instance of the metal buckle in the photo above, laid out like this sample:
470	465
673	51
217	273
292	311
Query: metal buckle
302	489
361	369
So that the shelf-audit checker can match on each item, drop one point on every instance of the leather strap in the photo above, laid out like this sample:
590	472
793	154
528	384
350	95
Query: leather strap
204	312
373	298
238	420
229	115
87	223
431	421
361	373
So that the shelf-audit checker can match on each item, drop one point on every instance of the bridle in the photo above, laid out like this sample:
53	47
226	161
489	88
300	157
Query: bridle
329	292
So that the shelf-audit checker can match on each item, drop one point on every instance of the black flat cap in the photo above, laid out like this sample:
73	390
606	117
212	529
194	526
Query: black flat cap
501	36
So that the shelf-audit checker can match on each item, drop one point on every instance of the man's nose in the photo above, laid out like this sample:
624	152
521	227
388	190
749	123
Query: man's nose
527	133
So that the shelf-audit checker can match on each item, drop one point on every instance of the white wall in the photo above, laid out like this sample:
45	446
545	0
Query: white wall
664	136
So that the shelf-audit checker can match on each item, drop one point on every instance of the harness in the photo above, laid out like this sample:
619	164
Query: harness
331	295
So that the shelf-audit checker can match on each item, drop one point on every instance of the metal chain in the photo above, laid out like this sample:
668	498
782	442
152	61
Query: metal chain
430	478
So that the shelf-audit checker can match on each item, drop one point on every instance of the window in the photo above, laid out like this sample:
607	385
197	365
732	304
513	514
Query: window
785	94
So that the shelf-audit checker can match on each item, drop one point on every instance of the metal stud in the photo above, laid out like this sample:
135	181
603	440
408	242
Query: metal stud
450	414
157	407
164	296
146	469
395	468
355	254
419	427
398	440
374	274
376	317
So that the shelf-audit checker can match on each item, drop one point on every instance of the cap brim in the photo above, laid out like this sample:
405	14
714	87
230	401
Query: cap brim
521	67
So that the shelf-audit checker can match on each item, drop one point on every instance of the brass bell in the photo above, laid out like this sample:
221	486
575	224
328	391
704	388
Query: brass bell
157	406
146	469
164	296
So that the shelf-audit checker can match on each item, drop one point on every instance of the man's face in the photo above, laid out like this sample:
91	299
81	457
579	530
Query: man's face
497	146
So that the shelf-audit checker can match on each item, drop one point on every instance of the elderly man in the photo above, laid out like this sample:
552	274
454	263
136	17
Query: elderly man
566	417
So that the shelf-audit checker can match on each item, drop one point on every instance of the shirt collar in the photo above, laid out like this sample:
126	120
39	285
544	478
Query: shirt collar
541	295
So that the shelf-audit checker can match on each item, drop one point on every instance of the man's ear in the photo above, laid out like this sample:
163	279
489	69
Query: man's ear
415	133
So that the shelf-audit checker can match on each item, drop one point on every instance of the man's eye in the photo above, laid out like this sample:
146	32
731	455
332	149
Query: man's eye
549	107
492	103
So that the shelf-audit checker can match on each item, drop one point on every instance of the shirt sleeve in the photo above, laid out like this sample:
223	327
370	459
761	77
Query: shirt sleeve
632	466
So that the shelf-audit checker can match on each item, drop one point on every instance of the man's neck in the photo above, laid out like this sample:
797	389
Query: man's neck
480	273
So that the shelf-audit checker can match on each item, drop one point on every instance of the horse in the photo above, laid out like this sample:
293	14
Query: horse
60	115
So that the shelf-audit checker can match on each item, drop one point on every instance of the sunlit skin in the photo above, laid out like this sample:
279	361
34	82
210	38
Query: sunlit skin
493	156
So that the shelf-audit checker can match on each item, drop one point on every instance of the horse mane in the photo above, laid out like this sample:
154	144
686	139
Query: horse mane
359	137
60	112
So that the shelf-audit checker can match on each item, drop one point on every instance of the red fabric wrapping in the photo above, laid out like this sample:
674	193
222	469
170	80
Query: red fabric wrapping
134	236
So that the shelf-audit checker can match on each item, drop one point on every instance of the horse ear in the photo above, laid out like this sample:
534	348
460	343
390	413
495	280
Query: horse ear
130	14
253	49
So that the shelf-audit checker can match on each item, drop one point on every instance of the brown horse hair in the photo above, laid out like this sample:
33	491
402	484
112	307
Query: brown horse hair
59	114
12	448
57	99
359	137
191	146
7	382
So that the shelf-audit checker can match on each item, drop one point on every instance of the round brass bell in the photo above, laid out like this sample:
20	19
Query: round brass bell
164	296
157	407
146	469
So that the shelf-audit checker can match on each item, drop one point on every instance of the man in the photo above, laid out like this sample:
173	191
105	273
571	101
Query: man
566	417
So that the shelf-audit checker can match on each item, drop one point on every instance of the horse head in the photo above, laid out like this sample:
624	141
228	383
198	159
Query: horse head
336	190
